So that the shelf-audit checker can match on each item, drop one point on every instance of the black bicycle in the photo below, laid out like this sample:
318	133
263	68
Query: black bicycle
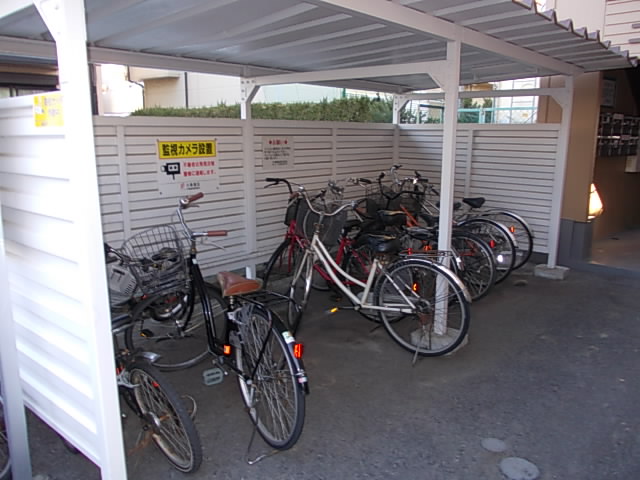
236	326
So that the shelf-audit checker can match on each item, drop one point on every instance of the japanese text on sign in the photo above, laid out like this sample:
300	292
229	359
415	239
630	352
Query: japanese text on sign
277	152
182	167
187	149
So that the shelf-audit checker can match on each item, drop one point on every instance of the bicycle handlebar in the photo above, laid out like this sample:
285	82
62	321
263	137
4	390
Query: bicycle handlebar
276	181
185	202
304	195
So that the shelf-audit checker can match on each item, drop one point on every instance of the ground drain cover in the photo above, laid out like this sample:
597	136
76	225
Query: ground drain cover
519	469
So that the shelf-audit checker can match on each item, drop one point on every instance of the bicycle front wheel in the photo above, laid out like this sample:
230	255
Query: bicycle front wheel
181	341
478	268
165	417
269	387
520	230
281	266
5	458
499	239
438	303
299	291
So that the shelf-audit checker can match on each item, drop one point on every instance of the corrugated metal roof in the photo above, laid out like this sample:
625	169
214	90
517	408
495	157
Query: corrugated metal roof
254	38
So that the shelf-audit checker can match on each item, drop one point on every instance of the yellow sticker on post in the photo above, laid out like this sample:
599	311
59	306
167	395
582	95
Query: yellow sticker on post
47	110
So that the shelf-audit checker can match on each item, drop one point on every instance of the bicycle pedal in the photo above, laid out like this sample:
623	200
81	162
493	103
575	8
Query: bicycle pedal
212	376
146	333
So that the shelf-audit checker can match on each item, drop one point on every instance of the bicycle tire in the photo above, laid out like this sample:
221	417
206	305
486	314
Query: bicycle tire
5	457
417	279
274	398
280	266
357	263
499	239
478	270
166	417
520	230
299	291
180	342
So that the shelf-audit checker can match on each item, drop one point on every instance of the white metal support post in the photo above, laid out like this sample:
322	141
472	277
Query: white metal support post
65	19
248	93
449	80
564	98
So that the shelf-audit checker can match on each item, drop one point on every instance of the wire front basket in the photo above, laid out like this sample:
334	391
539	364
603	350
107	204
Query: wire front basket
331	227
157	260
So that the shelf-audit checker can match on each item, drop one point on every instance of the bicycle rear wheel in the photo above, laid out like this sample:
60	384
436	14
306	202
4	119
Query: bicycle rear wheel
520	230
500	241
5	458
269	387
478	269
166	417
281	266
181	341
440	315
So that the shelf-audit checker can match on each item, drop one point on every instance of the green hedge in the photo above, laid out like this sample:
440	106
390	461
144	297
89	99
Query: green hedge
356	109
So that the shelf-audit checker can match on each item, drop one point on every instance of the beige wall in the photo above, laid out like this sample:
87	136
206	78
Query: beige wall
584	13
582	141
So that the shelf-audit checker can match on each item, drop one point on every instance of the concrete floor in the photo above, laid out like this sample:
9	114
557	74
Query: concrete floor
550	376
621	250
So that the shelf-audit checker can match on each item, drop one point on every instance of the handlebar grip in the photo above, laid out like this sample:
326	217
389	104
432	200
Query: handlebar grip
274	180
365	181
217	233
186	201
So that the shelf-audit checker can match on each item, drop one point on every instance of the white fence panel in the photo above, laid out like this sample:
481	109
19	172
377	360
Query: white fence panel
62	370
510	165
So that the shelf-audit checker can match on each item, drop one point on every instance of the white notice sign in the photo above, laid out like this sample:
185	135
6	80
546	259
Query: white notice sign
277	153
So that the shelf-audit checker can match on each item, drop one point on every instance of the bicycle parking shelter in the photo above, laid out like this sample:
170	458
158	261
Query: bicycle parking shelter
52	260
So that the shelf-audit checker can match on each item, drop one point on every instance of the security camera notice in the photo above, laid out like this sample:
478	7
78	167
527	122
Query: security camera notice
187	166
277	153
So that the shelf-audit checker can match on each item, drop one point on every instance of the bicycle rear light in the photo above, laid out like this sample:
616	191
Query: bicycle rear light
298	350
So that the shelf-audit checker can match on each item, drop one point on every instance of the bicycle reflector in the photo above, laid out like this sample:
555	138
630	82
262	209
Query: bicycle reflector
298	349
226	349
512	229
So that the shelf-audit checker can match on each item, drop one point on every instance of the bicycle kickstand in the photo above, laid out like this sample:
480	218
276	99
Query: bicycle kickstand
261	457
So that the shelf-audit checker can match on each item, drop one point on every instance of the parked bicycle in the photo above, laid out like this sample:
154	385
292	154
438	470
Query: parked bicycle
422	304
162	413
473	207
497	236
236	327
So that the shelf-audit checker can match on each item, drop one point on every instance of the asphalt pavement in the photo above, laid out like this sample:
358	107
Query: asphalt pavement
547	388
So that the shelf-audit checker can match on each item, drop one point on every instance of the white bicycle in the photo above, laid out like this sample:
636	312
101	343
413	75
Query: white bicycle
422	304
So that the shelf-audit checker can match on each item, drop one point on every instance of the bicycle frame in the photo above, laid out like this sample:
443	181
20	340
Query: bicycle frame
317	250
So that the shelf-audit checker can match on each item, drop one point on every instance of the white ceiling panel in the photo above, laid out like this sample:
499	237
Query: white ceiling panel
501	39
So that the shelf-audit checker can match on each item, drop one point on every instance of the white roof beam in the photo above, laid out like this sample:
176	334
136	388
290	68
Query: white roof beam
522	92
427	68
385	11
7	7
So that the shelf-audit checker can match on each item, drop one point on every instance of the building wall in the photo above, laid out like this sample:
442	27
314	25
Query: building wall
584	13
619	190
